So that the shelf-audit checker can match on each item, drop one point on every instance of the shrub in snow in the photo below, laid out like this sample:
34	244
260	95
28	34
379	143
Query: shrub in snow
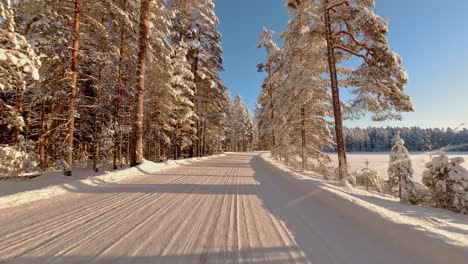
334	175
369	178
447	180
18	160
400	170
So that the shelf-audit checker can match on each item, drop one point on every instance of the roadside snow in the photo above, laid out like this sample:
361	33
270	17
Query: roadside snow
443	226
15	193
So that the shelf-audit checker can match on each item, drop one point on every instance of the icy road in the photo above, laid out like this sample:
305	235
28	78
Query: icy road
232	209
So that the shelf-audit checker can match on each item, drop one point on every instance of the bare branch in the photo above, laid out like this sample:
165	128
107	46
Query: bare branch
352	52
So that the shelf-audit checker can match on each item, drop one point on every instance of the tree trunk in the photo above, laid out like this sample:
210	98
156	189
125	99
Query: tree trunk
137	137
42	156
204	131
72	96
340	143
19	109
129	122
272	114
196	144
158	149
118	98
97	124
399	186
303	138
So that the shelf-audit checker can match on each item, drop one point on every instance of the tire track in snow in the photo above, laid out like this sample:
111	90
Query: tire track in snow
94	213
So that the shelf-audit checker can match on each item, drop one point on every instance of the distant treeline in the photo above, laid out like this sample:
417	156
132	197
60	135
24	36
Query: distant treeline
375	139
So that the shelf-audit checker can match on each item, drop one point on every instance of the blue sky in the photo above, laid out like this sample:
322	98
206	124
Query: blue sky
430	35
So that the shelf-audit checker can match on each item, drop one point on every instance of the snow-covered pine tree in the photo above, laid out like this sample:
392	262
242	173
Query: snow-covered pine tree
50	34
447	180
136	152
19	65
267	96
210	92
369	177
303	103
352	29
242	126
19	68
196	23
400	170
160	95
183	113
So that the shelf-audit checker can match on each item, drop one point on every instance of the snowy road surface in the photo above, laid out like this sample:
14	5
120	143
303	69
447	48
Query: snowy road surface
232	209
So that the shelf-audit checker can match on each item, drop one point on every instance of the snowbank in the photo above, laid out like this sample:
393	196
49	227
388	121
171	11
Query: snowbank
441	234
66	184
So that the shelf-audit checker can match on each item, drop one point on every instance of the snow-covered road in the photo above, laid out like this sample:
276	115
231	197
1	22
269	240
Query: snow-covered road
232	209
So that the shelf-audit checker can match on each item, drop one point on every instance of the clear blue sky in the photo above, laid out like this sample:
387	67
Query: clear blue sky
431	36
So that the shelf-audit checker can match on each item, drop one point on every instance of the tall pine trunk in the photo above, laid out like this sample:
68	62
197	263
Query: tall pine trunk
42	156
272	113
97	124
340	144
19	109
118	98
137	135
303	139
72	96
204	130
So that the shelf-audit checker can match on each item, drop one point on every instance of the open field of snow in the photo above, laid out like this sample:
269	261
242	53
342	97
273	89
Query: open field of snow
379	162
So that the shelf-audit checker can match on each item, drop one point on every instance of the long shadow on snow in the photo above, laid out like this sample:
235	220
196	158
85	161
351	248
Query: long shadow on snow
325	233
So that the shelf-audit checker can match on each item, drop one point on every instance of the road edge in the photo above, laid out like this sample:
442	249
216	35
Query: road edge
146	168
412	236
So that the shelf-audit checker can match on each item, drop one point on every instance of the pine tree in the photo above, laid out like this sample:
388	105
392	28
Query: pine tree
19	65
242	126
136	152
184	115
353	29
269	86
303	103
400	170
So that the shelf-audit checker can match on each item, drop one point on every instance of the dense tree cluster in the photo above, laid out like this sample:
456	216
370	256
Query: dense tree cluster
377	139
447	180
301	92
112	80
240	135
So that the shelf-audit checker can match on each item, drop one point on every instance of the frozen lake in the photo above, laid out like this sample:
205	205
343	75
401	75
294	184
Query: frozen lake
379	161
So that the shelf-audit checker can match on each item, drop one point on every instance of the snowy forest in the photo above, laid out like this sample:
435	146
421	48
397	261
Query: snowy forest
331	48
113	81
375	139
300	96
118	82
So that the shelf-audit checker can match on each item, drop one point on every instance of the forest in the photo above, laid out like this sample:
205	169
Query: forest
375	139
113	81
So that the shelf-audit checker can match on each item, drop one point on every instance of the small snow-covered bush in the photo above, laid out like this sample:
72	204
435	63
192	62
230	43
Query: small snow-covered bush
370	179
333	174
447	180
421	195
18	159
